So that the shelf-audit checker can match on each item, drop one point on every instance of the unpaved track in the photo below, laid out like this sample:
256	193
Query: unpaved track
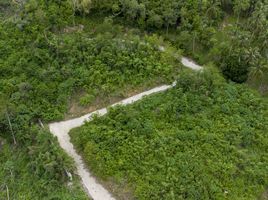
190	64
61	129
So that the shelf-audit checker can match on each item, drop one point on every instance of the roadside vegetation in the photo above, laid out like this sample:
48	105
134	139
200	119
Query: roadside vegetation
204	139
45	60
231	34
56	56
38	171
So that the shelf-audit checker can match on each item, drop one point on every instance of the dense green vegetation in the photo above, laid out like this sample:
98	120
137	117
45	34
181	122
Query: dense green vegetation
232	34
58	51
45	59
204	139
35	173
32	165
48	68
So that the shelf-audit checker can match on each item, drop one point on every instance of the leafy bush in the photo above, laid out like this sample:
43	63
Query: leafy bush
85	100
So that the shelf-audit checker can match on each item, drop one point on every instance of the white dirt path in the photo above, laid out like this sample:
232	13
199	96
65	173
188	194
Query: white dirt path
61	129
190	64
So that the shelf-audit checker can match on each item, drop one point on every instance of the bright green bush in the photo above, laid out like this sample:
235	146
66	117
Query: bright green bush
86	100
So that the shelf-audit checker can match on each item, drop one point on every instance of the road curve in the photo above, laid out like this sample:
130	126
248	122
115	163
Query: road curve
61	129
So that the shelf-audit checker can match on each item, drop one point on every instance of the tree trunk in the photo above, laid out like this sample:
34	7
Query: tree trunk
167	28
7	192
11	129
194	42
41	123
261	87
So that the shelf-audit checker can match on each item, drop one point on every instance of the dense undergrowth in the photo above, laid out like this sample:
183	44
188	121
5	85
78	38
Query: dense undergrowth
53	51
22	176
45	59
203	139
50	68
232	34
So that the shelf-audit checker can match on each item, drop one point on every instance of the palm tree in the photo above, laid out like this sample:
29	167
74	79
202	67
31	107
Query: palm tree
258	73
213	11
194	40
4	110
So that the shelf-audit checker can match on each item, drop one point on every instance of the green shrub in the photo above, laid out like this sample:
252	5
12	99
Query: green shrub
87	99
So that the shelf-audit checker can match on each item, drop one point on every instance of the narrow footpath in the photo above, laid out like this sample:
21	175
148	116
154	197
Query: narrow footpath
61	129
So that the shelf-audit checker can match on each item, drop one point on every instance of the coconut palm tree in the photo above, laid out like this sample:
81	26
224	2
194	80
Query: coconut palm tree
258	73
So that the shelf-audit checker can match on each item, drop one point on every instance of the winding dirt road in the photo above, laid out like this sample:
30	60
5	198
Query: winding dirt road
61	129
